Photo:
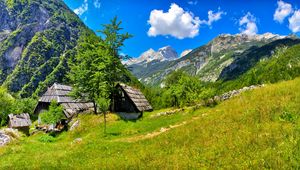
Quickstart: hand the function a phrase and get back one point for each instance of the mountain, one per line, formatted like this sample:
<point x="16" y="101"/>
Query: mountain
<point x="251" y="57"/>
<point x="36" y="39"/>
<point x="208" y="61"/>
<point x="163" y="54"/>
<point x="283" y="64"/>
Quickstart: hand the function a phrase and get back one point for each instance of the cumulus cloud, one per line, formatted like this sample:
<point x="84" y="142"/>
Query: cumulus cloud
<point x="97" y="4"/>
<point x="283" y="10"/>
<point x="248" y="24"/>
<point x="212" y="17"/>
<point x="294" y="22"/>
<point x="82" y="9"/>
<point x="192" y="2"/>
<point x="176" y="22"/>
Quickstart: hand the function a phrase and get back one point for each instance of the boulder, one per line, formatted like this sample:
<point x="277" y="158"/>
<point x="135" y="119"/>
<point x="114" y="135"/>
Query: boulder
<point x="4" y="139"/>
<point x="74" y="125"/>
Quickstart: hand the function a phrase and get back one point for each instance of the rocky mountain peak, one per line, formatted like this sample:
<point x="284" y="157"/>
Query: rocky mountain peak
<point x="231" y="41"/>
<point x="166" y="53"/>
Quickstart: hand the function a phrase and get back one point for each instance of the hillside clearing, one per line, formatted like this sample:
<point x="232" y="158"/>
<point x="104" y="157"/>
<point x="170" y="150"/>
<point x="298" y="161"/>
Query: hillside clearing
<point x="258" y="129"/>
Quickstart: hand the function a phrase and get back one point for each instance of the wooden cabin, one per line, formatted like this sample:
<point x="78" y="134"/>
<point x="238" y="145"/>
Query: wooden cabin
<point x="130" y="103"/>
<point x="59" y="93"/>
<point x="20" y="122"/>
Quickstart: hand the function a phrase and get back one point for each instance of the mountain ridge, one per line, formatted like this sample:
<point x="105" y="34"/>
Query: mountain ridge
<point x="206" y="61"/>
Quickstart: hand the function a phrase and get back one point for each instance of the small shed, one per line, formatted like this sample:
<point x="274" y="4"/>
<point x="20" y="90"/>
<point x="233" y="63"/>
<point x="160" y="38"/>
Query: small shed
<point x="20" y="122"/>
<point x="130" y="102"/>
<point x="60" y="93"/>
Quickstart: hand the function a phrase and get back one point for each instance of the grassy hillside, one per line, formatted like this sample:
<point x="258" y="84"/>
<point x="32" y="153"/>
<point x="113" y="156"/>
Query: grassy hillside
<point x="259" y="129"/>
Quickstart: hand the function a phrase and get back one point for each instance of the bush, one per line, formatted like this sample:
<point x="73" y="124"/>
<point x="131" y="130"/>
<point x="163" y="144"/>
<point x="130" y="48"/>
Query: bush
<point x="46" y="139"/>
<point x="25" y="105"/>
<point x="53" y="115"/>
<point x="180" y="90"/>
<point x="6" y="104"/>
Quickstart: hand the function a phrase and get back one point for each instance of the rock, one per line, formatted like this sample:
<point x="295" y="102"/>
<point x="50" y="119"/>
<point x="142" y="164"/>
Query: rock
<point x="163" y="129"/>
<point x="167" y="112"/>
<point x="75" y="125"/>
<point x="4" y="139"/>
<point x="233" y="93"/>
<point x="13" y="133"/>
<point x="77" y="140"/>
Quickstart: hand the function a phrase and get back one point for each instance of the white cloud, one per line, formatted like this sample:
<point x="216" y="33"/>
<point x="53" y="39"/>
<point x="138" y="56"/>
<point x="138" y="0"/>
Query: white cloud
<point x="82" y="9"/>
<point x="294" y="22"/>
<point x="192" y="2"/>
<point x="176" y="22"/>
<point x="248" y="24"/>
<point x="212" y="17"/>
<point x="283" y="10"/>
<point x="97" y="4"/>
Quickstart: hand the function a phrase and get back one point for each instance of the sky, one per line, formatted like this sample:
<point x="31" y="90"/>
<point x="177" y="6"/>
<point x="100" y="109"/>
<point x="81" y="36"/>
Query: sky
<point x="188" y="24"/>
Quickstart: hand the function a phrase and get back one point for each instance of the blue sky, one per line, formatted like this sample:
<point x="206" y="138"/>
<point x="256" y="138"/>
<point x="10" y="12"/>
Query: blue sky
<point x="188" y="24"/>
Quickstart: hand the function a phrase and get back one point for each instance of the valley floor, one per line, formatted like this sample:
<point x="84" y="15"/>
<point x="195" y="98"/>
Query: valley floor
<point x="258" y="129"/>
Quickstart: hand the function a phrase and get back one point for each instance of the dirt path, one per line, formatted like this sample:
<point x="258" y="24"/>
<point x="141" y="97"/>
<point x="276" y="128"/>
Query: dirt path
<point x="155" y="133"/>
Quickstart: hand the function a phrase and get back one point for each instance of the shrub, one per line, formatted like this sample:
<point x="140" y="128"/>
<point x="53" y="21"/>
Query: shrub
<point x="53" y="115"/>
<point x="6" y="103"/>
<point x="46" y="139"/>
<point x="25" y="105"/>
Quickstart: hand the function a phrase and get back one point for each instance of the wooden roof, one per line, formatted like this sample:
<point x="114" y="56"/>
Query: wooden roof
<point x="137" y="97"/>
<point x="59" y="93"/>
<point x="19" y="120"/>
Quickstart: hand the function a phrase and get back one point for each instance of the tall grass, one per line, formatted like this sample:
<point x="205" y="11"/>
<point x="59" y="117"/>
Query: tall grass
<point x="258" y="129"/>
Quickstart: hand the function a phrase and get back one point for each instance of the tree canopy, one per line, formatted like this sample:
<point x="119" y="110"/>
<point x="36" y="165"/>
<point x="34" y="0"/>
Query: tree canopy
<point x="97" y="66"/>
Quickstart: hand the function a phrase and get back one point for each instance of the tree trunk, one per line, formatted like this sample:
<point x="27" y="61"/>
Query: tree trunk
<point x="113" y="100"/>
<point x="141" y="115"/>
<point x="95" y="107"/>
<point x="104" y="115"/>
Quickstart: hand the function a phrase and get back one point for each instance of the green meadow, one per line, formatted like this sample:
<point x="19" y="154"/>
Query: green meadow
<point x="260" y="129"/>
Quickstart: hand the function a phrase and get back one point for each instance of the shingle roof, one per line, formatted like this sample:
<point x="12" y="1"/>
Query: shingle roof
<point x="59" y="93"/>
<point x="137" y="97"/>
<point x="20" y="120"/>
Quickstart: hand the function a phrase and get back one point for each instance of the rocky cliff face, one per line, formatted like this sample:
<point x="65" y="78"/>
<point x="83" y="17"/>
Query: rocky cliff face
<point x="36" y="37"/>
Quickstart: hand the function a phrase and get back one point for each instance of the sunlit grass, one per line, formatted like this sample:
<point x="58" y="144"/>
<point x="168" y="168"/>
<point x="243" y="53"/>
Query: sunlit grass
<point x="258" y="129"/>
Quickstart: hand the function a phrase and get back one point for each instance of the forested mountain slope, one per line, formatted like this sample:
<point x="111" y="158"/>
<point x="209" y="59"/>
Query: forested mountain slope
<point x="36" y="39"/>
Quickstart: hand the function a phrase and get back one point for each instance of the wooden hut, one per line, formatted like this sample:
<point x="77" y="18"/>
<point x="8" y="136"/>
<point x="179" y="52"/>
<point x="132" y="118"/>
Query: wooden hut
<point x="20" y="122"/>
<point x="130" y="102"/>
<point x="59" y="93"/>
